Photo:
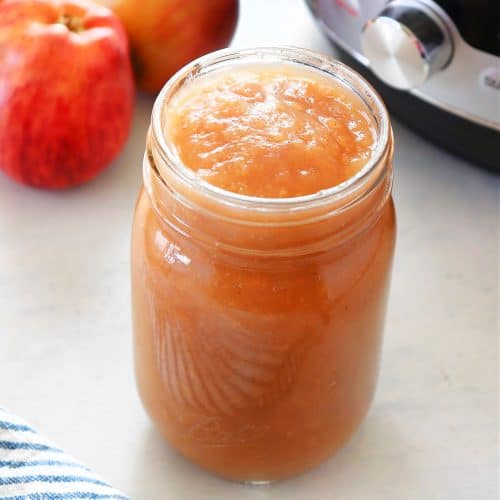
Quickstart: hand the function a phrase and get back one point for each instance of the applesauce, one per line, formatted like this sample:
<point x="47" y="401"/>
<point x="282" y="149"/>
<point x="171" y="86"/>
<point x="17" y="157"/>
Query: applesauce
<point x="261" y="254"/>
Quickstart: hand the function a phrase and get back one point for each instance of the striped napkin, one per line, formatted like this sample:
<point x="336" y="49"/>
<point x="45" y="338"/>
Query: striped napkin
<point x="31" y="467"/>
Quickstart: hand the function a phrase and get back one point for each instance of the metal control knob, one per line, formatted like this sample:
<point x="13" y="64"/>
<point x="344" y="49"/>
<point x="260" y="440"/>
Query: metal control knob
<point x="406" y="43"/>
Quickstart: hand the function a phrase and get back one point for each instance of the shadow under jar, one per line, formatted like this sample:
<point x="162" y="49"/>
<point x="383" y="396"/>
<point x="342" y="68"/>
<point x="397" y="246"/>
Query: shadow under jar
<point x="258" y="321"/>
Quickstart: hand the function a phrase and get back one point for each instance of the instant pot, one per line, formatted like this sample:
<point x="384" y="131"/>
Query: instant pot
<point x="436" y="64"/>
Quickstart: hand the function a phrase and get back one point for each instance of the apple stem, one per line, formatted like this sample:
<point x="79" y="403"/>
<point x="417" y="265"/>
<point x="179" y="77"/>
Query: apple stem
<point x="73" y="23"/>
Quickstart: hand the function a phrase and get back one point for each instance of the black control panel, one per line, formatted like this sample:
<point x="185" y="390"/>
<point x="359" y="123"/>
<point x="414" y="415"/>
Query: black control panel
<point x="478" y="22"/>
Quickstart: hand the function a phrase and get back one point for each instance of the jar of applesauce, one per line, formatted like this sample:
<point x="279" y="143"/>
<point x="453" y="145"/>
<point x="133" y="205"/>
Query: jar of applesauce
<point x="261" y="257"/>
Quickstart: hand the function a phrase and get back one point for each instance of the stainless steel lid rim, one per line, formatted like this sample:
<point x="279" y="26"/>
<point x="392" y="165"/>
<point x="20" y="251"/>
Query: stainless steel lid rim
<point x="458" y="87"/>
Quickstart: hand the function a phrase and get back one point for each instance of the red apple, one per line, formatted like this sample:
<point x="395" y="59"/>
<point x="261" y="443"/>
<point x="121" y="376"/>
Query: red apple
<point x="166" y="34"/>
<point x="66" y="90"/>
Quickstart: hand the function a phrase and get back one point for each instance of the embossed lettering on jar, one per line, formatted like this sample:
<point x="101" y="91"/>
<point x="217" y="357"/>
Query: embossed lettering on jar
<point x="259" y="291"/>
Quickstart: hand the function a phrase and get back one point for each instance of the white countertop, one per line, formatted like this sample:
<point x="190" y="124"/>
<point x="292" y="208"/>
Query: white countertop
<point x="65" y="328"/>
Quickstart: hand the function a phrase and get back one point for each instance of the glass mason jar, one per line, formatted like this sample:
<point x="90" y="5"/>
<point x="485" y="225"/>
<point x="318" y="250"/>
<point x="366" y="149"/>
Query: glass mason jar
<point x="258" y="321"/>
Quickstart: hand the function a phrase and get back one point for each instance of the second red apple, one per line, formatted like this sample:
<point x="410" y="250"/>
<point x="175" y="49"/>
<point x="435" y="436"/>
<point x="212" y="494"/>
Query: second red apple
<point x="164" y="35"/>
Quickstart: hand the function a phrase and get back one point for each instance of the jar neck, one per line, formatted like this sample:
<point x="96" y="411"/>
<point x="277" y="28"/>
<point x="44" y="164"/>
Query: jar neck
<point x="267" y="226"/>
<point x="267" y="233"/>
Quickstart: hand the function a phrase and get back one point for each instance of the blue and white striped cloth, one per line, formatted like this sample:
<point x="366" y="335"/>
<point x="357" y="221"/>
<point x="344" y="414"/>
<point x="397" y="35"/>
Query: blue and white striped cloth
<point x="31" y="467"/>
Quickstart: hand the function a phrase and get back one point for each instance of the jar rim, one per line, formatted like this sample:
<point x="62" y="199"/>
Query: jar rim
<point x="315" y="61"/>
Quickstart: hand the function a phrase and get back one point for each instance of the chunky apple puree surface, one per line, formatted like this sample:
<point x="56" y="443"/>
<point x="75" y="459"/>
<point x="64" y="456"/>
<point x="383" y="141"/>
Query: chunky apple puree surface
<point x="257" y="321"/>
<point x="274" y="133"/>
